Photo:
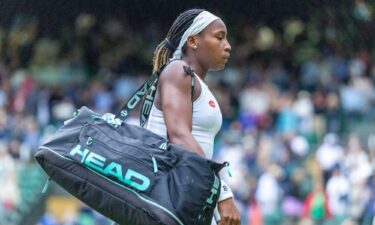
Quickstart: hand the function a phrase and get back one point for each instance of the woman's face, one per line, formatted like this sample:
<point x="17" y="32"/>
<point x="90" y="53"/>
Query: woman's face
<point x="213" y="48"/>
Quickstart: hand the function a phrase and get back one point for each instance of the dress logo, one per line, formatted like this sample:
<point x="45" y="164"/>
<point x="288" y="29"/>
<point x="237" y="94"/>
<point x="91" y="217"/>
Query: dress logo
<point x="212" y="104"/>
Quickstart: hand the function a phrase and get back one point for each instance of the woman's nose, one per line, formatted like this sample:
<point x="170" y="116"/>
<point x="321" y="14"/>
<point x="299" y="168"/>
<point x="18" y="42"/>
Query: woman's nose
<point x="227" y="46"/>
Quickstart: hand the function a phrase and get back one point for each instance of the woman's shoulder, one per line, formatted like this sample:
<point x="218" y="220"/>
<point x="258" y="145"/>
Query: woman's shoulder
<point x="174" y="75"/>
<point x="175" y="62"/>
<point x="174" y="71"/>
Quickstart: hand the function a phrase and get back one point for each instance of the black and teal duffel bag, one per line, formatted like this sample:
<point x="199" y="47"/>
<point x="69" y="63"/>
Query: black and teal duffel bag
<point x="128" y="173"/>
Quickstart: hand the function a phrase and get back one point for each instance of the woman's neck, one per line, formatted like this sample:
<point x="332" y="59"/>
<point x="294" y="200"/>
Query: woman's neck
<point x="198" y="69"/>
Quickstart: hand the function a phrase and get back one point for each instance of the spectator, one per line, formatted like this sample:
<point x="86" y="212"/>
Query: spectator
<point x="329" y="154"/>
<point x="316" y="204"/>
<point x="268" y="194"/>
<point x="337" y="190"/>
<point x="9" y="196"/>
<point x="356" y="162"/>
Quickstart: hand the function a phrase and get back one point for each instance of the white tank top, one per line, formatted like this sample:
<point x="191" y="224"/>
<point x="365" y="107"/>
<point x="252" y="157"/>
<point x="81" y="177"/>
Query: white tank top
<point x="207" y="120"/>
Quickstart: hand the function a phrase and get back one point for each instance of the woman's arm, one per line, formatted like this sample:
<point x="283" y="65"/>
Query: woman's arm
<point x="175" y="94"/>
<point x="176" y="103"/>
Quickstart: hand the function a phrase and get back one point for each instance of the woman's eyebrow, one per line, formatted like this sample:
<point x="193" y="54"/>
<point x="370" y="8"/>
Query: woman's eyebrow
<point x="220" y="32"/>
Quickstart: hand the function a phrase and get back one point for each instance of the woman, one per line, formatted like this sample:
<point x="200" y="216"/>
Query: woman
<point x="197" y="39"/>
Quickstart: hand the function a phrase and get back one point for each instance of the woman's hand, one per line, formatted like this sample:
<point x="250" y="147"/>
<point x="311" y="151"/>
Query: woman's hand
<point x="229" y="214"/>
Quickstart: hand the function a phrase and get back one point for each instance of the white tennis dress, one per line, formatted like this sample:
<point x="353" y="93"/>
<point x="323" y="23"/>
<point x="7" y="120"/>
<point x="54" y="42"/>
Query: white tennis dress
<point x="207" y="120"/>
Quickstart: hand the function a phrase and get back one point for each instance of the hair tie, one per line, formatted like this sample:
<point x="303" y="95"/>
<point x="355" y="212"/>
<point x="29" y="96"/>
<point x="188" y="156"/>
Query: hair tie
<point x="169" y="45"/>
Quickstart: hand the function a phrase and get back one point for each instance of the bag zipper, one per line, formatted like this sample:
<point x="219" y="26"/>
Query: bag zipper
<point x="133" y="145"/>
<point x="123" y="153"/>
<point x="228" y="169"/>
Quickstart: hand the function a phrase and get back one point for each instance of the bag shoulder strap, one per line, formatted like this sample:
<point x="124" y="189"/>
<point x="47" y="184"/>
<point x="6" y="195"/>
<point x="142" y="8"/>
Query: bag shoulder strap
<point x="190" y="71"/>
<point x="138" y="95"/>
<point x="147" y="93"/>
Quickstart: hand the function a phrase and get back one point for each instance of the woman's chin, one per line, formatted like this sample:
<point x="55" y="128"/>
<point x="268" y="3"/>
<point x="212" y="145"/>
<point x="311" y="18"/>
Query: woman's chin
<point x="218" y="68"/>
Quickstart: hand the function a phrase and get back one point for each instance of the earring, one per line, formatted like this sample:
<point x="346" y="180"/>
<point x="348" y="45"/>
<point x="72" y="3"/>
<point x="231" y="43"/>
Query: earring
<point x="195" y="47"/>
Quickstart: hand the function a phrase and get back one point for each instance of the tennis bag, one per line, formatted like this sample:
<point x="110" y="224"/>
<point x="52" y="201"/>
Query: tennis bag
<point x="128" y="173"/>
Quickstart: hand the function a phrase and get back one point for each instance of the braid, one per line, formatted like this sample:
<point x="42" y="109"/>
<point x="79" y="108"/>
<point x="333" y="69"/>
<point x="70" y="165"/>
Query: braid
<point x="166" y="48"/>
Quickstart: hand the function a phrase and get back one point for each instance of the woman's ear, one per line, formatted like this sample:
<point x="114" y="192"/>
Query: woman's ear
<point x="192" y="43"/>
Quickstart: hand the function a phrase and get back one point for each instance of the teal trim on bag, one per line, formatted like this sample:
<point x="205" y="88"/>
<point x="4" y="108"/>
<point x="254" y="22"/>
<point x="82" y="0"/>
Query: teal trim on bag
<point x="46" y="185"/>
<point x="134" y="192"/>
<point x="228" y="169"/>
<point x="142" y="198"/>
<point x="96" y="117"/>
<point x="155" y="164"/>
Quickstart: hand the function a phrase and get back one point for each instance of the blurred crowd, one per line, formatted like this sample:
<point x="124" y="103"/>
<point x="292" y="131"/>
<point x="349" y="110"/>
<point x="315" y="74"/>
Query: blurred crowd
<point x="292" y="98"/>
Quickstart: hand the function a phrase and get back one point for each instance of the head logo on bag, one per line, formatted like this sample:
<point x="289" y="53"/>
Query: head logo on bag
<point x="98" y="163"/>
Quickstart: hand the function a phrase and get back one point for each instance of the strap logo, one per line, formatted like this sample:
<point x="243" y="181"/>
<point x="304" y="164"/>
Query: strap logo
<point x="124" y="113"/>
<point x="163" y="146"/>
<point x="147" y="104"/>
